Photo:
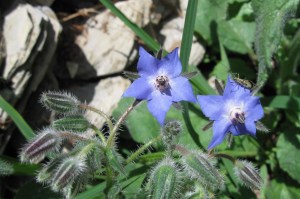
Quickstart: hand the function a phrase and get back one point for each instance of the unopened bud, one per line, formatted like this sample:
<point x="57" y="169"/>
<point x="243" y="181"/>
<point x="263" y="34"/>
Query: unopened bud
<point x="64" y="103"/>
<point x="164" y="180"/>
<point x="248" y="174"/>
<point x="49" y="169"/>
<point x="199" y="166"/>
<point x="6" y="168"/>
<point x="67" y="172"/>
<point x="74" y="123"/>
<point x="43" y="143"/>
<point x="170" y="131"/>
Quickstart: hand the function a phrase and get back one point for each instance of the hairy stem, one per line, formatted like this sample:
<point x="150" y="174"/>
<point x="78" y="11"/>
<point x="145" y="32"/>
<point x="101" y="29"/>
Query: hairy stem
<point x="108" y="121"/>
<point x="99" y="133"/>
<point x="142" y="149"/>
<point x="119" y="122"/>
<point x="221" y="155"/>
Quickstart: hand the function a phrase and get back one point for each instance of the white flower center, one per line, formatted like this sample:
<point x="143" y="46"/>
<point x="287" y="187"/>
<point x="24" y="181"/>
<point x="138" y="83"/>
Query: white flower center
<point x="237" y="115"/>
<point x="161" y="83"/>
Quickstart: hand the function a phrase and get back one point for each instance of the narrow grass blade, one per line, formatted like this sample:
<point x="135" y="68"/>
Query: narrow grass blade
<point x="17" y="118"/>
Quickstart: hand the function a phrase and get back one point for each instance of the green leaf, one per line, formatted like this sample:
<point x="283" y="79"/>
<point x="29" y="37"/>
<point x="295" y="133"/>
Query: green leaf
<point x="288" y="148"/>
<point x="282" y="102"/>
<point x="223" y="67"/>
<point x="237" y="35"/>
<point x="17" y="118"/>
<point x="209" y="12"/>
<point x="143" y="126"/>
<point x="291" y="64"/>
<point x="270" y="17"/>
<point x="93" y="192"/>
<point x="280" y="190"/>
<point x="34" y="190"/>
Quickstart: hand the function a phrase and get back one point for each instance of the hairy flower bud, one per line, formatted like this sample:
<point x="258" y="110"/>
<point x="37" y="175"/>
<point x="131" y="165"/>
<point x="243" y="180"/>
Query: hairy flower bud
<point x="69" y="169"/>
<point x="74" y="123"/>
<point x="247" y="174"/>
<point x="43" y="143"/>
<point x="164" y="180"/>
<point x="64" y="103"/>
<point x="199" y="166"/>
<point x="5" y="168"/>
<point x="49" y="169"/>
<point x="170" y="131"/>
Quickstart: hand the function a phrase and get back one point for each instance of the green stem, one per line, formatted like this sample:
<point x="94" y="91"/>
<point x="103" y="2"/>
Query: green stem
<point x="68" y="135"/>
<point x="142" y="149"/>
<point x="108" y="121"/>
<point x="99" y="133"/>
<point x="119" y="122"/>
<point x="221" y="155"/>
<point x="85" y="150"/>
<point x="109" y="179"/>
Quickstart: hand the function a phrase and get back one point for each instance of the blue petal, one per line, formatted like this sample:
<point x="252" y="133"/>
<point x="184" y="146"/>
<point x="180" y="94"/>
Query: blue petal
<point x="147" y="64"/>
<point x="211" y="105"/>
<point x="181" y="89"/>
<point x="241" y="129"/>
<point x="139" y="89"/>
<point x="159" y="106"/>
<point x="170" y="64"/>
<point x="234" y="90"/>
<point x="220" y="128"/>
<point x="254" y="110"/>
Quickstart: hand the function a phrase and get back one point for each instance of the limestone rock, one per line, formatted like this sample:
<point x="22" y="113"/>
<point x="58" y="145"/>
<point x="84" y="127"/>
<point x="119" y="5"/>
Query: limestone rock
<point x="107" y="43"/>
<point x="173" y="30"/>
<point x="30" y="34"/>
<point x="104" y="95"/>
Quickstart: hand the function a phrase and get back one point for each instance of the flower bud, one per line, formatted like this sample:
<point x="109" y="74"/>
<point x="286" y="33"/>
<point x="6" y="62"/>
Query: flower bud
<point x="67" y="172"/>
<point x="247" y="174"/>
<point x="49" y="169"/>
<point x="6" y="168"/>
<point x="199" y="166"/>
<point x="64" y="103"/>
<point x="170" y="131"/>
<point x="43" y="143"/>
<point x="74" y="123"/>
<point x="164" y="180"/>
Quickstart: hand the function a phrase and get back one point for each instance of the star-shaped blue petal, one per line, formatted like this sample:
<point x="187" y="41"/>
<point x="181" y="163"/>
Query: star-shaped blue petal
<point x="160" y="83"/>
<point x="236" y="111"/>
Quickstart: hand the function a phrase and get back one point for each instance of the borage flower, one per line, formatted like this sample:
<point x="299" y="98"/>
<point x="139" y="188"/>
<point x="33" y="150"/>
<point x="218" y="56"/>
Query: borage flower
<point x="160" y="83"/>
<point x="236" y="111"/>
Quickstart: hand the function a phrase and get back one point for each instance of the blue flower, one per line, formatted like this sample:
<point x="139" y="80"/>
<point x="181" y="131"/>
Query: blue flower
<point x="160" y="83"/>
<point x="235" y="112"/>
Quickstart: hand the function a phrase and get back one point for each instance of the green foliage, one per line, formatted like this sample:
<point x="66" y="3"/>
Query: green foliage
<point x="17" y="118"/>
<point x="288" y="147"/>
<point x="242" y="37"/>
<point x="270" y="17"/>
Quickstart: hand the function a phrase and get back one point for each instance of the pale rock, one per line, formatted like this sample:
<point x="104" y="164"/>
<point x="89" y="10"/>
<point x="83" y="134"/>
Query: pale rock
<point x="31" y="35"/>
<point x="104" y="95"/>
<point x="172" y="31"/>
<point x="107" y="43"/>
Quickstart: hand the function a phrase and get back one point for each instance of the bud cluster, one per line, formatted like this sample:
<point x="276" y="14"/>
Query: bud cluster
<point x="170" y="131"/>
<point x="67" y="168"/>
